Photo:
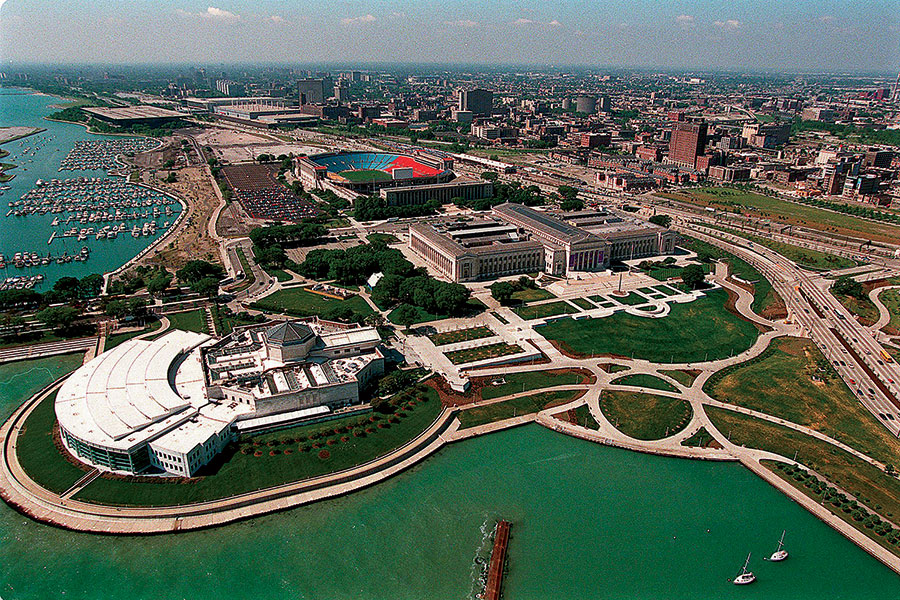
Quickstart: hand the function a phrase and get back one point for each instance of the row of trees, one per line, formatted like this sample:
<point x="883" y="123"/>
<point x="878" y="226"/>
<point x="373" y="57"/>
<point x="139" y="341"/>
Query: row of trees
<point x="512" y="191"/>
<point x="424" y="292"/>
<point x="302" y="234"/>
<point x="374" y="208"/>
<point x="355" y="265"/>
<point x="66" y="289"/>
<point x="502" y="291"/>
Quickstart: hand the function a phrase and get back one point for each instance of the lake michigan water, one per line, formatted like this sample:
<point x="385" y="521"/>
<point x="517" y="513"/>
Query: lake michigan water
<point x="588" y="522"/>
<point x="30" y="233"/>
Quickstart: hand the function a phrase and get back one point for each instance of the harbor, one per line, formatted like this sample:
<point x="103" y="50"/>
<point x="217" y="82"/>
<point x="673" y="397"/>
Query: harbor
<point x="52" y="214"/>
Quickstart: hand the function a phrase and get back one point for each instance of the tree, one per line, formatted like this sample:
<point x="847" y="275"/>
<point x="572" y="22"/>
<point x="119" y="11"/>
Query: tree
<point x="572" y="204"/>
<point x="661" y="220"/>
<point x="502" y="292"/>
<point x="693" y="276"/>
<point x="207" y="286"/>
<point x="490" y="176"/>
<point x="171" y="177"/>
<point x="406" y="315"/>
<point x="159" y="283"/>
<point x="196" y="270"/>
<point x="847" y="286"/>
<point x="59" y="318"/>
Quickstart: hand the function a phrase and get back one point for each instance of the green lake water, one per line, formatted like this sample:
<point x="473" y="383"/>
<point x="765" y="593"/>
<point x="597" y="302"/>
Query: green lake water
<point x="588" y="522"/>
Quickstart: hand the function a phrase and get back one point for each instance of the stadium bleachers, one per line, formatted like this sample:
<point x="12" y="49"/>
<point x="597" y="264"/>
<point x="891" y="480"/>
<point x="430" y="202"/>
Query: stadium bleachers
<point x="359" y="161"/>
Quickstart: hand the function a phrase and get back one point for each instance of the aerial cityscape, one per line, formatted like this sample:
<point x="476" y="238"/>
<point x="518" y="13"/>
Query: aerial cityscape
<point x="442" y="300"/>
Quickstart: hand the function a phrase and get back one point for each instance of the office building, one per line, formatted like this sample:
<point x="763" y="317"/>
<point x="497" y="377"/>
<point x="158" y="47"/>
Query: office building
<point x="315" y="91"/>
<point x="477" y="101"/>
<point x="687" y="143"/>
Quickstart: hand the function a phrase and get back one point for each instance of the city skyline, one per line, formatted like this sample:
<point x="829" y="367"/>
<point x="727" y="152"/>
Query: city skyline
<point x="786" y="36"/>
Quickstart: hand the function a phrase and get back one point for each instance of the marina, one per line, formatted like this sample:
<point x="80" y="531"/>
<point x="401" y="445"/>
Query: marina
<point x="51" y="215"/>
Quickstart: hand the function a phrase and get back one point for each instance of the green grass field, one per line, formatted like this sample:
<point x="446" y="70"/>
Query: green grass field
<point x="632" y="299"/>
<point x="701" y="439"/>
<point x="685" y="379"/>
<point x="891" y="301"/>
<point x="191" y="320"/>
<point x="646" y="381"/>
<point x="540" y="311"/>
<point x="387" y="238"/>
<point x="531" y="295"/>
<point x="787" y="212"/>
<point x="645" y="416"/>
<point x="459" y="357"/>
<point x="700" y="330"/>
<point x="515" y="383"/>
<point x="302" y="303"/>
<point x="460" y="335"/>
<point x="516" y="407"/>
<point x="117" y="338"/>
<point x="365" y="175"/>
<point x="241" y="472"/>
<point x="582" y="303"/>
<point x="792" y="380"/>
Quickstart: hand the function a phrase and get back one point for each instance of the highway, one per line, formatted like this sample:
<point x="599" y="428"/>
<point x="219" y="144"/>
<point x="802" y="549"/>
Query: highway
<point x="875" y="382"/>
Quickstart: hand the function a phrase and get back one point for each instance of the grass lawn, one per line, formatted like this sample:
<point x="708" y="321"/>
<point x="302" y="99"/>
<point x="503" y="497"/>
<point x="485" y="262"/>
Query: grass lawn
<point x="516" y="407"/>
<point x="891" y="301"/>
<point x="540" y="311"/>
<point x="780" y="382"/>
<point x="787" y="212"/>
<point x="241" y="472"/>
<point x="700" y="330"/>
<point x="804" y="257"/>
<point x="474" y="306"/>
<point x="387" y="238"/>
<point x="631" y="299"/>
<point x="302" y="303"/>
<point x="872" y="486"/>
<point x="460" y="335"/>
<point x="531" y="295"/>
<point x="38" y="455"/>
<point x="584" y="418"/>
<point x="365" y="175"/>
<point x="645" y="416"/>
<point x="117" y="338"/>
<point x="860" y="307"/>
<point x="582" y="303"/>
<point x="684" y="378"/>
<point x="192" y="320"/>
<point x="531" y="380"/>
<point x="500" y="318"/>
<point x="701" y="439"/>
<point x="764" y="296"/>
<point x="613" y="368"/>
<point x="459" y="357"/>
<point x="249" y="277"/>
<point x="645" y="380"/>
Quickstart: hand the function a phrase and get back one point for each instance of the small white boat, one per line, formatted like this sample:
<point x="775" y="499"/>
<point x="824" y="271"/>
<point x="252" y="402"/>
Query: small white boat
<point x="780" y="554"/>
<point x="745" y="577"/>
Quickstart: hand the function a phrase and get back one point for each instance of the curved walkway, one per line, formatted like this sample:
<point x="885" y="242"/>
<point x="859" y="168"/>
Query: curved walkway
<point x="884" y="316"/>
<point x="19" y="490"/>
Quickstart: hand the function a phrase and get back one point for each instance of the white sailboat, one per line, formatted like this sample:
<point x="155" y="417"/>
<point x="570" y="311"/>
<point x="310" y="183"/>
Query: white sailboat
<point x="745" y="577"/>
<point x="780" y="554"/>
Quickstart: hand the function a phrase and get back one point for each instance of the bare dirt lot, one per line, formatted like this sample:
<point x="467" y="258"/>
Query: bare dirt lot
<point x="231" y="146"/>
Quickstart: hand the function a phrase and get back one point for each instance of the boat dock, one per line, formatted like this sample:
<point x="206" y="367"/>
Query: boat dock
<point x="493" y="587"/>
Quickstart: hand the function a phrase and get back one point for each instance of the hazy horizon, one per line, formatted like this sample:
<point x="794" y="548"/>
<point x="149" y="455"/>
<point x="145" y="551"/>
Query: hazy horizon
<point x="759" y="37"/>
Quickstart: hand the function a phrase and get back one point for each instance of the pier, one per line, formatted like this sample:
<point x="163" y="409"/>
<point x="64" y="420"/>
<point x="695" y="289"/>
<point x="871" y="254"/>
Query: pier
<point x="494" y="585"/>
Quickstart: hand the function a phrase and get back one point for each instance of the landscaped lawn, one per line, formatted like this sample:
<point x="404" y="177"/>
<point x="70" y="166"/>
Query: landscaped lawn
<point x="387" y="238"/>
<point x="241" y="472"/>
<point x="792" y="380"/>
<point x="645" y="380"/>
<point x="540" y="311"/>
<point x="515" y="407"/>
<point x="631" y="299"/>
<point x="685" y="379"/>
<point x="700" y="330"/>
<point x="192" y="320"/>
<point x="249" y="277"/>
<point x="891" y="301"/>
<point x="38" y="455"/>
<point x="117" y="338"/>
<point x="473" y="307"/>
<point x="531" y="295"/>
<point x="458" y="357"/>
<point x="861" y="307"/>
<point x="701" y="439"/>
<point x="645" y="416"/>
<point x="788" y="212"/>
<point x="531" y="380"/>
<point x="302" y="303"/>
<point x="460" y="335"/>
<point x="872" y="486"/>
<point x="764" y="296"/>
<point x="584" y="418"/>
<point x="582" y="303"/>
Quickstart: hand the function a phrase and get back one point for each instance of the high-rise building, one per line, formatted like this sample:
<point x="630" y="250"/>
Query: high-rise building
<point x="478" y="101"/>
<point x="586" y="104"/>
<point x="315" y="91"/>
<point x="687" y="143"/>
<point x="603" y="105"/>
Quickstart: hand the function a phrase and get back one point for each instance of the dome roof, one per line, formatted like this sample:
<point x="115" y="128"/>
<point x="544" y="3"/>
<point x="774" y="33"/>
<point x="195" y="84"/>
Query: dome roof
<point x="289" y="332"/>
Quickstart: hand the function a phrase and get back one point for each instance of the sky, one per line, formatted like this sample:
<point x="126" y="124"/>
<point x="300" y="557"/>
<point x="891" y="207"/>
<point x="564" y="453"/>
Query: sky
<point x="748" y="35"/>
